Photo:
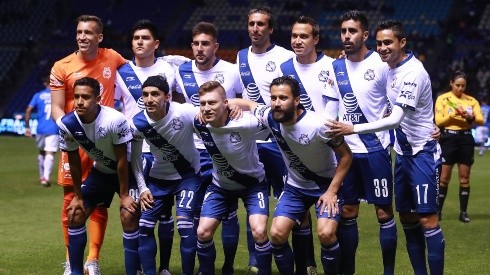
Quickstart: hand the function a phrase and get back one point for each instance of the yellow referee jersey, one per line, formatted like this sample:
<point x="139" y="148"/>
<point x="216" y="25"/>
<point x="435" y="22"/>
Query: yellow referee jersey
<point x="446" y="111"/>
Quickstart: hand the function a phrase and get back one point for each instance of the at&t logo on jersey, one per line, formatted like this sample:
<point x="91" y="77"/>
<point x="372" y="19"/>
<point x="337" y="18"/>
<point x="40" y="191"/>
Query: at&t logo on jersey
<point x="222" y="165"/>
<point x="195" y="99"/>
<point x="351" y="105"/>
<point x="253" y="91"/>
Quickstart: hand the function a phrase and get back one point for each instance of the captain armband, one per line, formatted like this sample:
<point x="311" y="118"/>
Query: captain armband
<point x="336" y="142"/>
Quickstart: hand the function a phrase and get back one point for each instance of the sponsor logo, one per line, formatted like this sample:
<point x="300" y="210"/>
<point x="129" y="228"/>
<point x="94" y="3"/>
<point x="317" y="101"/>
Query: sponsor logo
<point x="253" y="91"/>
<point x="411" y="84"/>
<point x="190" y="84"/>
<point x="134" y="87"/>
<point x="187" y="76"/>
<point x="124" y="132"/>
<point x="351" y="106"/>
<point x="343" y="82"/>
<point x="407" y="94"/>
<point x="247" y="73"/>
<point x="340" y="73"/>
<point x="130" y="78"/>
<point x="243" y="65"/>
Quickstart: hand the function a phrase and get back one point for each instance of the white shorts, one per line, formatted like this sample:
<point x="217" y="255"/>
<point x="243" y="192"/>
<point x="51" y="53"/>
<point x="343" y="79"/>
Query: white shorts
<point x="481" y="134"/>
<point x="48" y="143"/>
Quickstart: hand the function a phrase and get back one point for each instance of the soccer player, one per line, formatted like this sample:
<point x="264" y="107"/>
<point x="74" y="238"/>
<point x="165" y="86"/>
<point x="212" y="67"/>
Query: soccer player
<point x="418" y="163"/>
<point x="168" y="129"/>
<point x="102" y="133"/>
<point x="359" y="94"/>
<point x="314" y="174"/>
<point x="101" y="64"/>
<point x="313" y="71"/>
<point x="258" y="66"/>
<point x="47" y="138"/>
<point x="129" y="79"/>
<point x="206" y="66"/>
<point x="237" y="173"/>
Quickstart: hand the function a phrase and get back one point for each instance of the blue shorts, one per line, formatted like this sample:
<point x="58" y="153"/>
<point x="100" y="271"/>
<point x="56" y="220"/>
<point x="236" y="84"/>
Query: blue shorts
<point x="163" y="192"/>
<point x="98" y="189"/>
<point x="218" y="202"/>
<point x="275" y="169"/>
<point x="417" y="182"/>
<point x="370" y="177"/>
<point x="294" y="202"/>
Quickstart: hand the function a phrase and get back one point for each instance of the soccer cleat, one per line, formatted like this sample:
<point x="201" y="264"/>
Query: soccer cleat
<point x="92" y="267"/>
<point x="311" y="270"/>
<point x="164" y="272"/>
<point x="45" y="182"/>
<point x="463" y="217"/>
<point x="67" y="268"/>
<point x="252" y="270"/>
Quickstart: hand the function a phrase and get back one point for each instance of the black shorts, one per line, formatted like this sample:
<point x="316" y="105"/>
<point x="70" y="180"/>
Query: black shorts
<point x="457" y="148"/>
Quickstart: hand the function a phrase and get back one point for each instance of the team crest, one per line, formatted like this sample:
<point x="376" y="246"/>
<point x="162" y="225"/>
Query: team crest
<point x="393" y="83"/>
<point x="102" y="132"/>
<point x="220" y="78"/>
<point x="235" y="137"/>
<point x="177" y="124"/>
<point x="304" y="140"/>
<point x="106" y="73"/>
<point x="323" y="76"/>
<point x="369" y="75"/>
<point x="271" y="66"/>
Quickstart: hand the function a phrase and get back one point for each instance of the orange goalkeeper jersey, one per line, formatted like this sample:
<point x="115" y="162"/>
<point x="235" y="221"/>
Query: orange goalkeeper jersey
<point x="63" y="76"/>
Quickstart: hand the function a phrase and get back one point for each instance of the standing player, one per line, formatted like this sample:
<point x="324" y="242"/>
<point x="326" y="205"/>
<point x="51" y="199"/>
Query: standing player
<point x="258" y="65"/>
<point x="102" y="133"/>
<point x="418" y="163"/>
<point x="101" y="64"/>
<point x="359" y="96"/>
<point x="47" y="138"/>
<point x="314" y="177"/>
<point x="129" y="79"/>
<point x="237" y="173"/>
<point x="168" y="129"/>
<point x="312" y="70"/>
<point x="206" y="66"/>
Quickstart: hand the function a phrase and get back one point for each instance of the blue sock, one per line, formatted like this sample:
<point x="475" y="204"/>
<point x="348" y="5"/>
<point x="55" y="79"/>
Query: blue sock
<point x="230" y="232"/>
<point x="348" y="238"/>
<point x="77" y="237"/>
<point x="310" y="258"/>
<point x="263" y="251"/>
<point x="388" y="240"/>
<point x="414" y="236"/>
<point x="206" y="253"/>
<point x="131" y="258"/>
<point x="330" y="255"/>
<point x="147" y="249"/>
<point x="165" y="240"/>
<point x="284" y="257"/>
<point x="435" y="250"/>
<point x="252" y="257"/>
<point x="188" y="240"/>
<point x="300" y="248"/>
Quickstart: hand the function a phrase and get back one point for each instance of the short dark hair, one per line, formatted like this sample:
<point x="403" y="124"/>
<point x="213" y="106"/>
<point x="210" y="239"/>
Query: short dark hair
<point x="91" y="18"/>
<point x="289" y="81"/>
<point x="458" y="74"/>
<point x="267" y="11"/>
<point x="157" y="81"/>
<point x="357" y="16"/>
<point x="310" y="21"/>
<point x="145" y="24"/>
<point x="206" y="28"/>
<point x="90" y="82"/>
<point x="211" y="86"/>
<point x="395" y="25"/>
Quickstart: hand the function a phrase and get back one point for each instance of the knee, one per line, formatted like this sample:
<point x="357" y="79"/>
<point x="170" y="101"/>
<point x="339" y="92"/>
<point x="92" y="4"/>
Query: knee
<point x="327" y="235"/>
<point x="349" y="211"/>
<point x="429" y="221"/>
<point x="259" y="233"/>
<point x="129" y="221"/>
<point x="384" y="213"/>
<point x="76" y="219"/>
<point x="278" y="235"/>
<point x="204" y="233"/>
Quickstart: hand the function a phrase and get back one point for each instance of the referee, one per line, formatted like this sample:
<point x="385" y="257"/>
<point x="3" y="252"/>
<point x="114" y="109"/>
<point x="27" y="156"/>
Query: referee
<point x="455" y="113"/>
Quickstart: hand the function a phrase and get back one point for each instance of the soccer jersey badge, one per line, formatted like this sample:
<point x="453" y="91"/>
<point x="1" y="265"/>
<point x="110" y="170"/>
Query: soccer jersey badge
<point x="235" y="137"/>
<point x="323" y="76"/>
<point x="369" y="75"/>
<point x="177" y="124"/>
<point x="270" y="67"/>
<point x="220" y="78"/>
<point x="304" y="140"/>
<point x="106" y="73"/>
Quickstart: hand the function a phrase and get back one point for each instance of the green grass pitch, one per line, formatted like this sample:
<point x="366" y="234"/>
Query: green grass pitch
<point x="31" y="241"/>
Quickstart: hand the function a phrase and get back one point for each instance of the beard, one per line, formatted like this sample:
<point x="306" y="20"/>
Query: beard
<point x="283" y="116"/>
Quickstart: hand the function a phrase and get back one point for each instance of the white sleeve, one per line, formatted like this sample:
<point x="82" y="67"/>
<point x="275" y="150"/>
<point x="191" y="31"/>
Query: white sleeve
<point x="332" y="109"/>
<point x="387" y="123"/>
<point x="137" y="164"/>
